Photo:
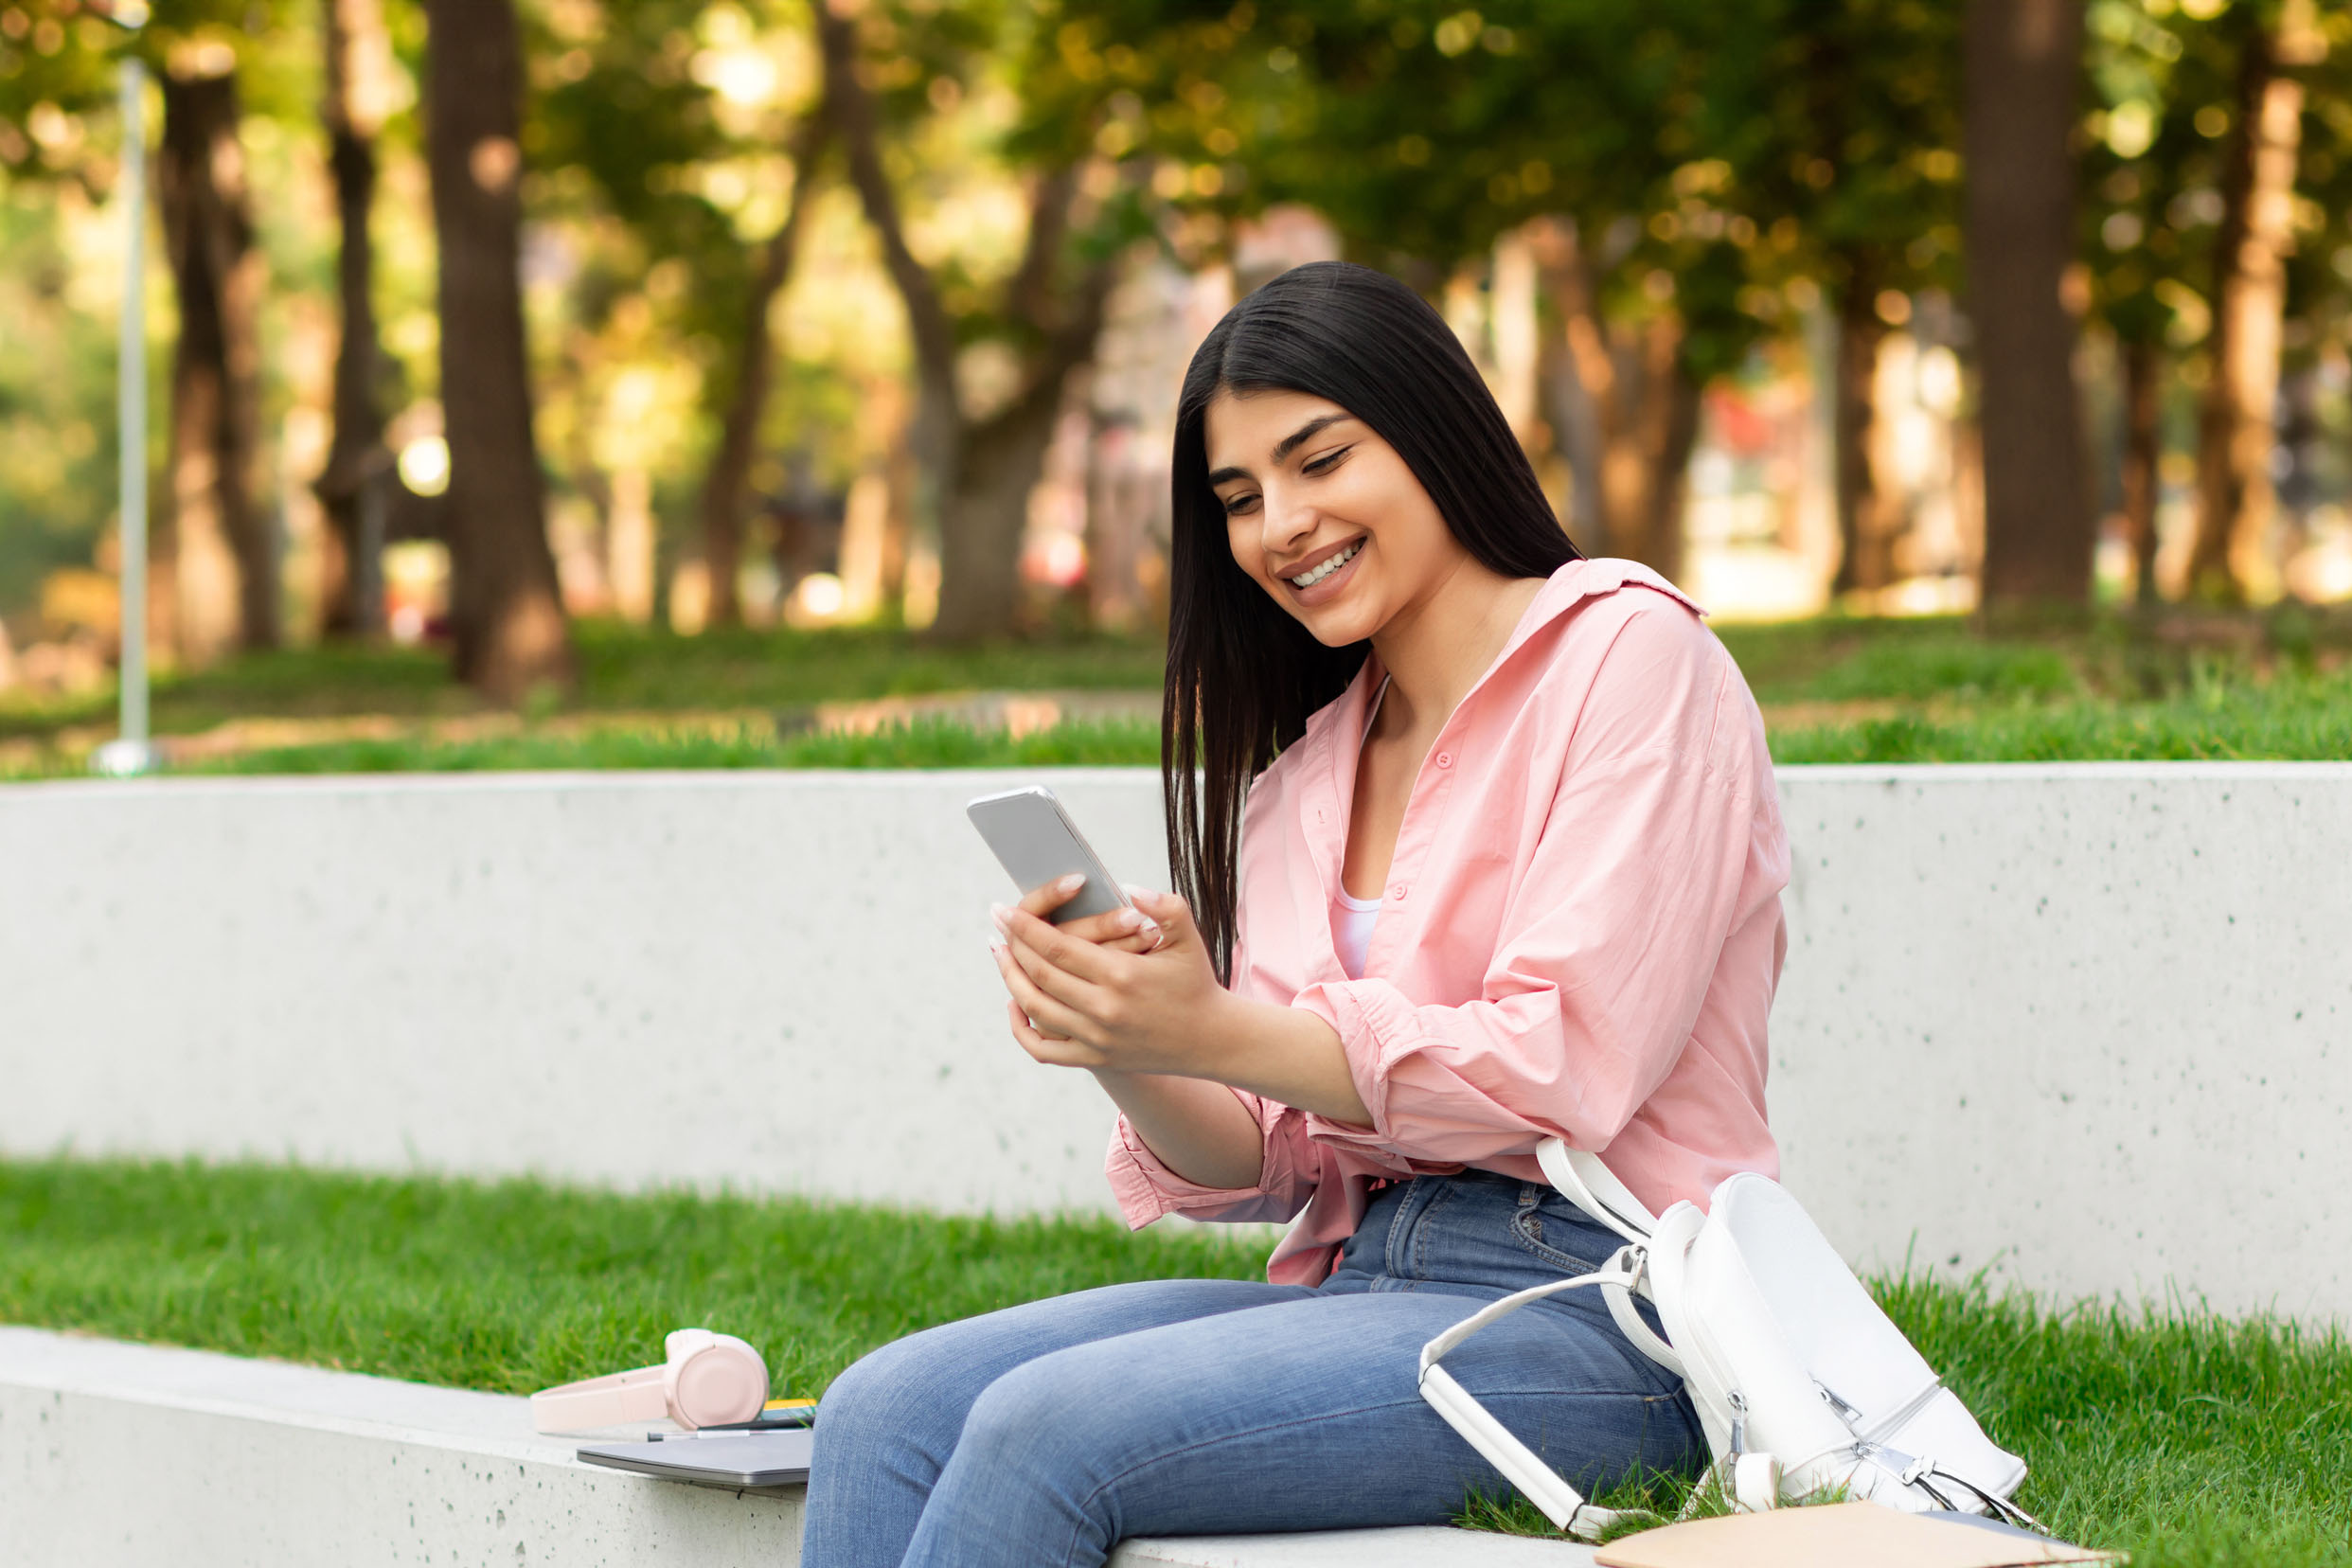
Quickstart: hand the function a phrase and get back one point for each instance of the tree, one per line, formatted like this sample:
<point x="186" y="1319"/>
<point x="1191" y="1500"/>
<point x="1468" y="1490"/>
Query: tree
<point x="618" y="103"/>
<point x="2144" y="168"/>
<point x="352" y="486"/>
<point x="509" y="620"/>
<point x="1841" y="125"/>
<point x="2234" y="496"/>
<point x="215" y="560"/>
<point x="979" y="466"/>
<point x="727" y="484"/>
<point x="2021" y="63"/>
<point x="1425" y="132"/>
<point x="227" y="562"/>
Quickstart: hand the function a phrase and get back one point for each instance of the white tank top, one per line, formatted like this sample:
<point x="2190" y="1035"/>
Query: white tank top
<point x="1352" y="918"/>
<point x="1351" y="930"/>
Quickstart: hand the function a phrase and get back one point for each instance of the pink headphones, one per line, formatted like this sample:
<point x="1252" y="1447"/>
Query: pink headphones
<point x="709" y="1379"/>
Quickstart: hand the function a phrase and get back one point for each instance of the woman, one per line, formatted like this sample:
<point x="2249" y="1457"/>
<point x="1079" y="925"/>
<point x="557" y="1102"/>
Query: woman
<point x="1508" y="868"/>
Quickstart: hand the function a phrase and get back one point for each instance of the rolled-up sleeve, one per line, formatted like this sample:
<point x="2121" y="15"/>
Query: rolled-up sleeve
<point x="1146" y="1188"/>
<point x="1611" y="939"/>
<point x="1290" y="1166"/>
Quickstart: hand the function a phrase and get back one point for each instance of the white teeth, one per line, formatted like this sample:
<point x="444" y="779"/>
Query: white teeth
<point x="1308" y="580"/>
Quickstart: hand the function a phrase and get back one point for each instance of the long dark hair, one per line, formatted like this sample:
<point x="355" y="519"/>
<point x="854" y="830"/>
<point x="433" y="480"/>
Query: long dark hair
<point x="1242" y="674"/>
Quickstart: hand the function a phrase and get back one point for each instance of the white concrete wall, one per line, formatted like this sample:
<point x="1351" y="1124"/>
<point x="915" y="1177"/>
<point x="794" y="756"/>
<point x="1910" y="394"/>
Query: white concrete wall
<point x="2087" y="1027"/>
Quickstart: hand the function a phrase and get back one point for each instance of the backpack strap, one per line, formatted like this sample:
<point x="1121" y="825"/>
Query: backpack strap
<point x="1521" y="1465"/>
<point x="1594" y="1189"/>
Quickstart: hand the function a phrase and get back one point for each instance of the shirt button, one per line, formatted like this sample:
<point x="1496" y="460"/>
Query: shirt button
<point x="1396" y="891"/>
<point x="1444" y="760"/>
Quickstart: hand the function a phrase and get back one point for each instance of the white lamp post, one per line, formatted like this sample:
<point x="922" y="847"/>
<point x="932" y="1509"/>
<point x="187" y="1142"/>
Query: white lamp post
<point x="130" y="752"/>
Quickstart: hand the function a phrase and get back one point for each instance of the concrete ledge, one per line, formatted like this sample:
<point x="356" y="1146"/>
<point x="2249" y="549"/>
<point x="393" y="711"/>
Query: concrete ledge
<point x="2084" y="1025"/>
<point x="140" y="1455"/>
<point x="135" y="1455"/>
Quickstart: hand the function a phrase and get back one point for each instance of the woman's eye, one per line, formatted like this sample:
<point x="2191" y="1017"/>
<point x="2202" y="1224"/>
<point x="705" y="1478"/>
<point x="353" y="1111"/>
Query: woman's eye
<point x="1237" y="505"/>
<point x="1328" y="461"/>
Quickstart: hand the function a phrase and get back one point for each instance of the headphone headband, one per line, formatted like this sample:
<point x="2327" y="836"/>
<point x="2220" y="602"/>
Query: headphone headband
<point x="729" y="1383"/>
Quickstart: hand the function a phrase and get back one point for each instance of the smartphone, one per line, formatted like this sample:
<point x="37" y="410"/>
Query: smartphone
<point x="1036" y="841"/>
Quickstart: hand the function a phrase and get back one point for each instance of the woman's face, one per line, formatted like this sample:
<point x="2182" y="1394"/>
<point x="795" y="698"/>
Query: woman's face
<point x="1323" y="513"/>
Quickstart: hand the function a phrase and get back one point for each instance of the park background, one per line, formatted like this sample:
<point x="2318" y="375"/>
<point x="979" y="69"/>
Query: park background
<point x="558" y="384"/>
<point x="684" y="378"/>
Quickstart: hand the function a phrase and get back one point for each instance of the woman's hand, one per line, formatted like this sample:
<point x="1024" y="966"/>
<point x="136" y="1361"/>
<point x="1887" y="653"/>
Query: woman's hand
<point x="1147" y="1002"/>
<point x="1127" y="992"/>
<point x="1127" y="930"/>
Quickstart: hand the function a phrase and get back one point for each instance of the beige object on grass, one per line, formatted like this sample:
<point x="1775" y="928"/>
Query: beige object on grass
<point x="1836" y="1534"/>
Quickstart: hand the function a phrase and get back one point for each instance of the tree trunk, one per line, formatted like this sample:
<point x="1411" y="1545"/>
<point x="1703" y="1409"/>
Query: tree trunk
<point x="1643" y="411"/>
<point x="224" y="553"/>
<point x="724" y="486"/>
<point x="351" y="486"/>
<point x="1570" y="402"/>
<point x="2022" y="65"/>
<point x="970" y="472"/>
<point x="981" y="522"/>
<point x="2234" y="498"/>
<point x="2143" y="447"/>
<point x="999" y="462"/>
<point x="934" y="433"/>
<point x="1669" y="430"/>
<point x="1865" y="559"/>
<point x="505" y="607"/>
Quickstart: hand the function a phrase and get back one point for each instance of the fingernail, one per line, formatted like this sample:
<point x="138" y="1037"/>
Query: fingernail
<point x="1132" y="919"/>
<point x="1149" y="927"/>
<point x="1001" y="917"/>
<point x="1072" y="883"/>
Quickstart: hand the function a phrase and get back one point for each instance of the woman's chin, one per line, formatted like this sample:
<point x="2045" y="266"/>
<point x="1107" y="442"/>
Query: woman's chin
<point x="1339" y="625"/>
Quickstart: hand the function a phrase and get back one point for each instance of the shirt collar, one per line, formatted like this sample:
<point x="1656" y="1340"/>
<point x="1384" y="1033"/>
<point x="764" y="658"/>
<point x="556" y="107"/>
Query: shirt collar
<point x="1329" y="748"/>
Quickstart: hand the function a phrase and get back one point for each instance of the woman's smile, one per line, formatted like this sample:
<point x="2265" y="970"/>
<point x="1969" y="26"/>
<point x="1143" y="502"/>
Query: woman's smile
<point x="1323" y="577"/>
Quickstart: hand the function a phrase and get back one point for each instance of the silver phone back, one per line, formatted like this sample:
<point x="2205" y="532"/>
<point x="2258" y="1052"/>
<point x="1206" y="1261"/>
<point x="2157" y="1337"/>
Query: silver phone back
<point x="1036" y="841"/>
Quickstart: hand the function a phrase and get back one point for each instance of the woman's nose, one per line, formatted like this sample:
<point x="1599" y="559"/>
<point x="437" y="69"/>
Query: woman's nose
<point x="1288" y="519"/>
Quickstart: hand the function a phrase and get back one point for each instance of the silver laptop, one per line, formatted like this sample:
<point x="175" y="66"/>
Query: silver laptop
<point x="738" y="1461"/>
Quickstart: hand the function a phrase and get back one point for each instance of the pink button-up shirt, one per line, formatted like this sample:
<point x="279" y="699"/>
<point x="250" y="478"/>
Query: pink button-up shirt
<point x="1579" y="935"/>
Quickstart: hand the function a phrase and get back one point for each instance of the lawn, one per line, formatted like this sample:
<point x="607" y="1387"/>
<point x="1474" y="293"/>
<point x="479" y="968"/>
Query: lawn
<point x="2193" y="1441"/>
<point x="1834" y="690"/>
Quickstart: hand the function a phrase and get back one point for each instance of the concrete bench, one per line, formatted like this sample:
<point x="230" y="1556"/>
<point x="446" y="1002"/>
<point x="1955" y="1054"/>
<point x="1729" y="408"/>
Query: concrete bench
<point x="136" y="1456"/>
<point x="2083" y="1025"/>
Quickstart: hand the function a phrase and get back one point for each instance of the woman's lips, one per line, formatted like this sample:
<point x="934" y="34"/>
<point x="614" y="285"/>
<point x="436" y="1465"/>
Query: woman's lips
<point x="1331" y="586"/>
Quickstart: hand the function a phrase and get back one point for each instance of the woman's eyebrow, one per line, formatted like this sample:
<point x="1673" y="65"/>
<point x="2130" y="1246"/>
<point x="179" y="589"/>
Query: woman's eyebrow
<point x="1304" y="433"/>
<point x="1283" y="448"/>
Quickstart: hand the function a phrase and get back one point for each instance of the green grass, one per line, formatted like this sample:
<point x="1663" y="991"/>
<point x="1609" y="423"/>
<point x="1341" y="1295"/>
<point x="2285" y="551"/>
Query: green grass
<point x="622" y="669"/>
<point x="2294" y="716"/>
<point x="1835" y="689"/>
<point x="922" y="743"/>
<point x="2194" y="1441"/>
<point x="512" y="1286"/>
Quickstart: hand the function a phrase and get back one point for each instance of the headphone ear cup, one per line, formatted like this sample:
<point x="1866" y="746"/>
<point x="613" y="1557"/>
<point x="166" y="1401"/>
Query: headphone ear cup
<point x="720" y="1383"/>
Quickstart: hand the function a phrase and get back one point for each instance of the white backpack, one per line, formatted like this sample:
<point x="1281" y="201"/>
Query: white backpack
<point x="1802" y="1385"/>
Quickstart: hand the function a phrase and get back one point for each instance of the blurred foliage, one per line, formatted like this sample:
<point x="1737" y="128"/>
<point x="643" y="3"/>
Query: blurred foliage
<point x="1727" y="166"/>
<point x="2164" y="85"/>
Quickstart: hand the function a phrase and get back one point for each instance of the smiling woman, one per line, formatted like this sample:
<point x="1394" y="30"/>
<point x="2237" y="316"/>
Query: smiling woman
<point x="1510" y="870"/>
<point x="1340" y="412"/>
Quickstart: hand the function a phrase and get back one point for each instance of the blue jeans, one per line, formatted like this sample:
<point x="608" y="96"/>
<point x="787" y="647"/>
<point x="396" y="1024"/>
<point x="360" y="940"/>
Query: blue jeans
<point x="1046" y="1434"/>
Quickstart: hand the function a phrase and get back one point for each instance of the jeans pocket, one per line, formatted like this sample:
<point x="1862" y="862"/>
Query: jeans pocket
<point x="1570" y="1243"/>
